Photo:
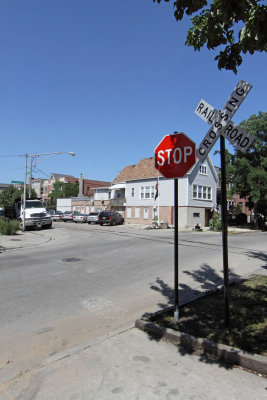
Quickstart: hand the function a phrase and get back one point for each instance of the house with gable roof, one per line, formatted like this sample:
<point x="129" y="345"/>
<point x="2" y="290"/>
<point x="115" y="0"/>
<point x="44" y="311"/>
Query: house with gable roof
<point x="141" y="194"/>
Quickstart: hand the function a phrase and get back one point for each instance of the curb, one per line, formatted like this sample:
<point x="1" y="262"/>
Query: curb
<point x="24" y="243"/>
<point x="219" y="351"/>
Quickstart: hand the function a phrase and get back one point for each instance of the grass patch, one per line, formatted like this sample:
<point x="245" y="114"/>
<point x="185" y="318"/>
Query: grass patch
<point x="204" y="317"/>
<point x="8" y="227"/>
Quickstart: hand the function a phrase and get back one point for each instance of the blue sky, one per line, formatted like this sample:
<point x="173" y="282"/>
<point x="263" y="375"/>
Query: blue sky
<point x="106" y="80"/>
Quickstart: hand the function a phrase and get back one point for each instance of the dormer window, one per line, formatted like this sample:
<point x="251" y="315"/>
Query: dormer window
<point x="203" y="170"/>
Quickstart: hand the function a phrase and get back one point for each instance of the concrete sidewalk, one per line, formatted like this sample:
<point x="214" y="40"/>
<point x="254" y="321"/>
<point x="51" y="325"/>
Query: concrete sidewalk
<point x="24" y="239"/>
<point x="128" y="364"/>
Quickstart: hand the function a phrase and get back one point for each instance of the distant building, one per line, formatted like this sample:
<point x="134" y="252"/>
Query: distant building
<point x="233" y="200"/>
<point x="133" y="193"/>
<point x="86" y="186"/>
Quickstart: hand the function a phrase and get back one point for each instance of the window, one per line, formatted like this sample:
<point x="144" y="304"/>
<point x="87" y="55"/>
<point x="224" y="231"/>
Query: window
<point x="201" y="192"/>
<point x="209" y="193"/>
<point x="132" y="192"/>
<point x="137" y="213"/>
<point x="147" y="192"/>
<point x="129" y="212"/>
<point x="146" y="213"/>
<point x="196" y="215"/>
<point x="203" y="169"/>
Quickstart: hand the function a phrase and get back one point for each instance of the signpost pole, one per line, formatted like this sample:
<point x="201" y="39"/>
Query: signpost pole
<point x="176" y="261"/>
<point x="174" y="156"/>
<point x="224" y="233"/>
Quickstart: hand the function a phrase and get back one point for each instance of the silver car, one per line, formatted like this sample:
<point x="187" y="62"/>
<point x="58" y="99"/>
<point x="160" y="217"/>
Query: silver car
<point x="79" y="218"/>
<point x="93" y="217"/>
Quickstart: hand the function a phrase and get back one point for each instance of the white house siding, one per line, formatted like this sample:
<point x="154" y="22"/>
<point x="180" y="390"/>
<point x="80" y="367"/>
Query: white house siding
<point x="209" y="180"/>
<point x="191" y="211"/>
<point x="102" y="194"/>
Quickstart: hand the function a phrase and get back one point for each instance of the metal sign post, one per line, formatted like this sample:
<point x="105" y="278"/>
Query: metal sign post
<point x="224" y="235"/>
<point x="221" y="125"/>
<point x="176" y="255"/>
<point x="174" y="156"/>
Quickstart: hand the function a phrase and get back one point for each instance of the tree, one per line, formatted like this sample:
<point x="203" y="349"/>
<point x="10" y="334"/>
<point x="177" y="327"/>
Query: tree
<point x="8" y="195"/>
<point x="248" y="170"/>
<point x="238" y="25"/>
<point x="11" y="193"/>
<point x="63" y="190"/>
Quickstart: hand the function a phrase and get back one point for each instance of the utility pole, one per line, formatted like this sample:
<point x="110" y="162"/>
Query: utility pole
<point x="24" y="193"/>
<point x="30" y="180"/>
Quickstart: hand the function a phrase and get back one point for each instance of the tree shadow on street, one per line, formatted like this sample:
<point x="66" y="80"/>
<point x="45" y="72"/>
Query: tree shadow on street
<point x="207" y="277"/>
<point x="259" y="255"/>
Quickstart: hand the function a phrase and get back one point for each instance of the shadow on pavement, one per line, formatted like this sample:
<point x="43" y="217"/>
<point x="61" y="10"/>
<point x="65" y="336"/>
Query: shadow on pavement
<point x="208" y="352"/>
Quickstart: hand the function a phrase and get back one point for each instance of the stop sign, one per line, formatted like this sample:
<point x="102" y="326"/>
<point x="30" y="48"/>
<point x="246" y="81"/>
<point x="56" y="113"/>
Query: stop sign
<point x="175" y="155"/>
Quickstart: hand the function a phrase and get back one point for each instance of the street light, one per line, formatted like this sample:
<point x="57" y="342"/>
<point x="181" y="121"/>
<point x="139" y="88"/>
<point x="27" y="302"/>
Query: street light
<point x="32" y="156"/>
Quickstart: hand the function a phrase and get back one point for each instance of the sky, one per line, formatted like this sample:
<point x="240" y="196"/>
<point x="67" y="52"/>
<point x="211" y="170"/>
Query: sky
<point x="106" y="80"/>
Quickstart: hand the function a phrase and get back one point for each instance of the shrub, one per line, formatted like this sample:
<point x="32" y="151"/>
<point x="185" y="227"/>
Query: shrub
<point x="215" y="223"/>
<point x="8" y="227"/>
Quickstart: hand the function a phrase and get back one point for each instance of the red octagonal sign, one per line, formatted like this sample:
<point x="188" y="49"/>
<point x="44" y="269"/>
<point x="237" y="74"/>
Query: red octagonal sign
<point x="175" y="155"/>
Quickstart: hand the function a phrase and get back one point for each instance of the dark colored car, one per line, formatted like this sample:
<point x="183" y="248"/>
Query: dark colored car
<point x="110" y="217"/>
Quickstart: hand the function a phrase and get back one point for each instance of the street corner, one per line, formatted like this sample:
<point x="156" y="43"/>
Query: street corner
<point x="23" y="239"/>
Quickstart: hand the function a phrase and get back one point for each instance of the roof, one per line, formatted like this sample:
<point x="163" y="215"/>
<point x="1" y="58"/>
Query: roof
<point x="60" y="175"/>
<point x="94" y="184"/>
<point x="143" y="170"/>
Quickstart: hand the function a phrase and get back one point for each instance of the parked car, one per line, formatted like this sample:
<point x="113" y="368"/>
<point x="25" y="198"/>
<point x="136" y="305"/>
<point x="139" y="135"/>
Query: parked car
<point x="56" y="215"/>
<point x="79" y="218"/>
<point x="110" y="217"/>
<point x="93" y="217"/>
<point x="68" y="215"/>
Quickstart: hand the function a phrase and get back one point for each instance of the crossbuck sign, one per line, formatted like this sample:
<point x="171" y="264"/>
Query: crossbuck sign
<point x="221" y="123"/>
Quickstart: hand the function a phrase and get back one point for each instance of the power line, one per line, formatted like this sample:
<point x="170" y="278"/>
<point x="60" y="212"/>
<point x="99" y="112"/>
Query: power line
<point x="12" y="155"/>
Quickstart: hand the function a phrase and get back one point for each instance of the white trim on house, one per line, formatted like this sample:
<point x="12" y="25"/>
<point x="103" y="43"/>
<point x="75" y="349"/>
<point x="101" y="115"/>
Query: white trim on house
<point x="118" y="186"/>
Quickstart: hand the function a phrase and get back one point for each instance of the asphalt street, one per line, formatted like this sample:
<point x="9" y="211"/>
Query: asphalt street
<point x="76" y="283"/>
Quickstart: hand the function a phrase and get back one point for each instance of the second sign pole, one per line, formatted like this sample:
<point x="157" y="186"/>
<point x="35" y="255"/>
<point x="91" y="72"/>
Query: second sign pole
<point x="224" y="233"/>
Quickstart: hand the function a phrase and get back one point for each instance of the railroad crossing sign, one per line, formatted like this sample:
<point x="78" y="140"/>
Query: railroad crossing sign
<point x="175" y="155"/>
<point x="221" y="123"/>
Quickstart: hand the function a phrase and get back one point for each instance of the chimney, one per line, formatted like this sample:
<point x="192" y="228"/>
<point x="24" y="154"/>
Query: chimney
<point x="80" y="186"/>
